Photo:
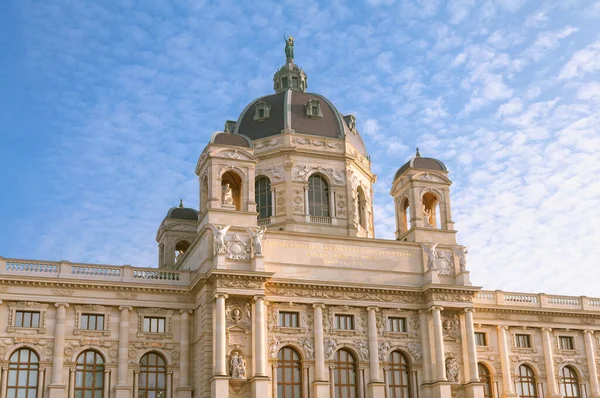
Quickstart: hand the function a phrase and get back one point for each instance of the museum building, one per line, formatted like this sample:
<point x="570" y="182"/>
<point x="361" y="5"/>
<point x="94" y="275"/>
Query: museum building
<point x="276" y="287"/>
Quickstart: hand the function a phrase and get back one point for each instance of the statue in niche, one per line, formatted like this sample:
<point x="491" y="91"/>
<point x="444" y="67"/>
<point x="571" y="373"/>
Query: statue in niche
<point x="289" y="47"/>
<point x="219" y="233"/>
<point x="364" y="352"/>
<point x="237" y="366"/>
<point x="461" y="252"/>
<point x="257" y="238"/>
<point x="431" y="254"/>
<point x="452" y="370"/>
<point x="427" y="215"/>
<point x="308" y="349"/>
<point x="227" y="195"/>
<point x="330" y="346"/>
<point x="273" y="347"/>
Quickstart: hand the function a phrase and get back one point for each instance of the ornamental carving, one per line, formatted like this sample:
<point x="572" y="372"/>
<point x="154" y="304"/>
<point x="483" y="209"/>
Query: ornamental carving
<point x="447" y="296"/>
<point x="275" y="173"/>
<point x="126" y="296"/>
<point x="237" y="314"/>
<point x="239" y="283"/>
<point x="341" y="295"/>
<point x="267" y="143"/>
<point x="232" y="155"/>
<point x="414" y="349"/>
<point x="300" y="173"/>
<point x="317" y="143"/>
<point x="330" y="348"/>
<point x="384" y="349"/>
<point x="63" y="292"/>
<point x="237" y="249"/>
<point x="429" y="177"/>
<point x="452" y="370"/>
<point x="273" y="348"/>
<point x="309" y="352"/>
<point x="451" y="325"/>
<point x="224" y="167"/>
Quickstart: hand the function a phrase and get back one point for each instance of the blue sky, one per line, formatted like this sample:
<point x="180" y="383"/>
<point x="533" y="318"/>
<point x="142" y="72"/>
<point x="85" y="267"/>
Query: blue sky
<point x="106" y="106"/>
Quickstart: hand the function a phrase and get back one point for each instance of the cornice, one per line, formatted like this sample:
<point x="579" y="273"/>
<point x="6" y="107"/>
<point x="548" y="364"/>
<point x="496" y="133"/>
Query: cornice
<point x="535" y="311"/>
<point x="95" y="286"/>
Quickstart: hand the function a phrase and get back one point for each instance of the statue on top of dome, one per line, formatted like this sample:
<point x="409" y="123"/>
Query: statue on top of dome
<point x="289" y="47"/>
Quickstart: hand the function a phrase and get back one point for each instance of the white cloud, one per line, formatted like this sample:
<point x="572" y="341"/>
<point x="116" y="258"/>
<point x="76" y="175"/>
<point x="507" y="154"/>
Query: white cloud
<point x="459" y="10"/>
<point x="510" y="108"/>
<point x="511" y="5"/>
<point x="589" y="91"/>
<point x="582" y="62"/>
<point x="547" y="41"/>
<point x="536" y="19"/>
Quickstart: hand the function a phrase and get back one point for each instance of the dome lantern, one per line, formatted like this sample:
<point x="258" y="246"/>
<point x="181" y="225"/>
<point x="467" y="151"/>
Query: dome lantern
<point x="290" y="76"/>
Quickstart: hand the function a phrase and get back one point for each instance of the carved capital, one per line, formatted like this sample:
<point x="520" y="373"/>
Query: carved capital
<point x="190" y="312"/>
<point x="258" y="297"/>
<point x="502" y="327"/>
<point x="370" y="308"/>
<point x="588" y="331"/>
<point x="546" y="330"/>
<point x="436" y="308"/>
<point x="66" y="305"/>
<point x="125" y="307"/>
<point x="319" y="305"/>
<point x="221" y="295"/>
<point x="468" y="310"/>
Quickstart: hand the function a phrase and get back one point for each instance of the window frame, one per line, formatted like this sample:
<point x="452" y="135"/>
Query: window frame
<point x="403" y="322"/>
<point x="94" y="368"/>
<point x="529" y="379"/>
<point x="18" y="367"/>
<point x="570" y="339"/>
<point x="144" y="313"/>
<point x="395" y="368"/>
<point x="485" y="377"/>
<point x="266" y="191"/>
<point x="517" y="341"/>
<point x="80" y="310"/>
<point x="150" y="369"/>
<point x="295" y="366"/>
<point x="29" y="306"/>
<point x="33" y="318"/>
<point x="349" y="366"/>
<point x="571" y="380"/>
<point x="292" y="315"/>
<point x="338" y="317"/>
<point x="320" y="191"/>
<point x="485" y="339"/>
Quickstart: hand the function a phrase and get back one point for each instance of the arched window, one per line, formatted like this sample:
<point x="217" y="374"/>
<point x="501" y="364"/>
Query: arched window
<point x="430" y="210"/>
<point x="486" y="379"/>
<point x="344" y="375"/>
<point x="204" y="194"/>
<point x="231" y="190"/>
<point x="89" y="375"/>
<point x="262" y="195"/>
<point x="569" y="383"/>
<point x="398" y="376"/>
<point x="289" y="374"/>
<point x="22" y="374"/>
<point x="360" y="197"/>
<point x="404" y="213"/>
<point x="526" y="385"/>
<point x="180" y="248"/>
<point x="152" y="376"/>
<point x="318" y="196"/>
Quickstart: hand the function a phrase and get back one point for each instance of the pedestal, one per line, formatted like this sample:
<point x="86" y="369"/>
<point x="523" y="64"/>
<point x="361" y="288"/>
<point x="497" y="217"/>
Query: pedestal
<point x="320" y="389"/>
<point x="219" y="261"/>
<point x="258" y="262"/>
<point x="431" y="276"/>
<point x="462" y="278"/>
<point x="376" y="390"/>
<point x="219" y="387"/>
<point x="122" y="391"/>
<point x="441" y="389"/>
<point x="474" y="390"/>
<point x="260" y="387"/>
<point x="57" y="390"/>
<point x="184" y="392"/>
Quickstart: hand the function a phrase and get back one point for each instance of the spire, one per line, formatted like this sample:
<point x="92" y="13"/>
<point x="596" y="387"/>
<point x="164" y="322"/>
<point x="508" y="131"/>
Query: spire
<point x="418" y="154"/>
<point x="180" y="203"/>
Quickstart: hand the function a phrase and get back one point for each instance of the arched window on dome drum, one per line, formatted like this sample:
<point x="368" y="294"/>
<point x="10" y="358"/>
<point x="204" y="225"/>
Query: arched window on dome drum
<point x="180" y="248"/>
<point x="262" y="194"/>
<point x="318" y="196"/>
<point x="89" y="375"/>
<point x="152" y="376"/>
<point x="486" y="379"/>
<point x="289" y="374"/>
<point x="569" y="383"/>
<point x="23" y="370"/>
<point x="204" y="194"/>
<point x="404" y="212"/>
<point x="526" y="383"/>
<point x="431" y="210"/>
<point x="345" y="375"/>
<point x="398" y="376"/>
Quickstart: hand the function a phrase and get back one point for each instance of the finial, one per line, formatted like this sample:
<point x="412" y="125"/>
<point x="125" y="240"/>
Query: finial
<point x="289" y="49"/>
<point x="418" y="153"/>
<point x="180" y="202"/>
<point x="226" y="128"/>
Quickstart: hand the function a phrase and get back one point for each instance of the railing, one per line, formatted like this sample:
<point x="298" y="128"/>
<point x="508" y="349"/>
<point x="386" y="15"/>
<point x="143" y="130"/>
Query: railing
<point x="264" y="221"/>
<point x="320" y="220"/>
<point x="67" y="270"/>
<point x="497" y="297"/>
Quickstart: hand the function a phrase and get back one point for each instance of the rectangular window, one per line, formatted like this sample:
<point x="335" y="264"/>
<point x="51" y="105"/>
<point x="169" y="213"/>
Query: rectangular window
<point x="288" y="319"/>
<point x="294" y="82"/>
<point x="154" y="324"/>
<point x="285" y="82"/>
<point x="396" y="324"/>
<point x="480" y="339"/>
<point x="344" y="322"/>
<point x="314" y="110"/>
<point x="523" y="340"/>
<point x="566" y="343"/>
<point x="92" y="322"/>
<point x="27" y="319"/>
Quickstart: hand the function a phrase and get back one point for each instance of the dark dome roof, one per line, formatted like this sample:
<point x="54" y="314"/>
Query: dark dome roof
<point x="418" y="162"/>
<point x="288" y="111"/>
<point x="226" y="138"/>
<point x="182" y="213"/>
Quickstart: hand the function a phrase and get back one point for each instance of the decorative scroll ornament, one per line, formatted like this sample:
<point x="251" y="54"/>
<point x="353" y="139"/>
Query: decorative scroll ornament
<point x="444" y="264"/>
<point x="237" y="249"/>
<point x="219" y="233"/>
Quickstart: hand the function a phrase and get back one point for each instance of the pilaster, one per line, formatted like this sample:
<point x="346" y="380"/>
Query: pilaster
<point x="507" y="384"/>
<point x="57" y="386"/>
<point x="590" y="353"/>
<point x="123" y="388"/>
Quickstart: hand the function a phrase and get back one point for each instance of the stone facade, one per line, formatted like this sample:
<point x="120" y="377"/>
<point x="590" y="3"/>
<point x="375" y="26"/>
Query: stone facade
<point x="297" y="303"/>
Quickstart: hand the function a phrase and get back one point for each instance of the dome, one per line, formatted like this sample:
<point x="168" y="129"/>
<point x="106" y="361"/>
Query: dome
<point x="182" y="213"/>
<point x="419" y="162"/>
<point x="227" y="138"/>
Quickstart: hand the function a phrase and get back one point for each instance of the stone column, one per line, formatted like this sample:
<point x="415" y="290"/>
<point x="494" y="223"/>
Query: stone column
<point x="71" y="382"/>
<point x="259" y="336"/>
<point x="332" y="381"/>
<point x="220" y="366"/>
<point x="184" y="390"/>
<point x="41" y="375"/>
<point x="438" y="339"/>
<point x="304" y="381"/>
<point x="168" y="383"/>
<point x="273" y="204"/>
<point x="274" y="380"/>
<point x="219" y="384"/>
<point x="376" y="385"/>
<point x="136" y="382"/>
<point x="332" y="203"/>
<point x="424" y="331"/>
<point x="549" y="361"/>
<point x="590" y="353"/>
<point x="306" y="210"/>
<point x="3" y="381"/>
<point x="122" y="388"/>
<point x="106" y="392"/>
<point x="473" y="389"/>
<point x="320" y="385"/>
<point x="361" y="383"/>
<point x="507" y="384"/>
<point x="57" y="385"/>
